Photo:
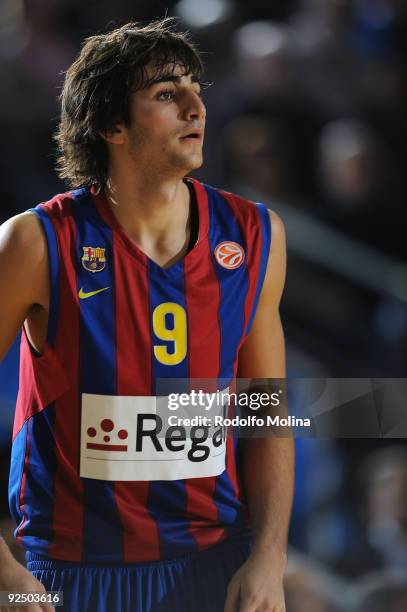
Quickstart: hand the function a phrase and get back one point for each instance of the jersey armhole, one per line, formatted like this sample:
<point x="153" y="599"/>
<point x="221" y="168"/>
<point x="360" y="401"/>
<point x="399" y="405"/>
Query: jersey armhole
<point x="53" y="267"/>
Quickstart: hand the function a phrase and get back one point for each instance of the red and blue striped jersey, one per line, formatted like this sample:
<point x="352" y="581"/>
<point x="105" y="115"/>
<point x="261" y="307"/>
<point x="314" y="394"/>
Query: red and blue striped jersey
<point x="118" y="323"/>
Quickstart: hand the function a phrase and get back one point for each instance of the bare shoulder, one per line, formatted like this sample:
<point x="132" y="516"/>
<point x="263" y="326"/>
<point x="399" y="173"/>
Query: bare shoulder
<point x="23" y="231"/>
<point x="276" y="267"/>
<point x="278" y="237"/>
<point x="277" y="258"/>
<point x="24" y="257"/>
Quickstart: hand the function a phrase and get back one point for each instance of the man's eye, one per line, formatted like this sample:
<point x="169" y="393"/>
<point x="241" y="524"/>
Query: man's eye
<point x="166" y="95"/>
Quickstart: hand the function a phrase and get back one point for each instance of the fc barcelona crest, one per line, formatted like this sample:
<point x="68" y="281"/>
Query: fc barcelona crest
<point x="93" y="259"/>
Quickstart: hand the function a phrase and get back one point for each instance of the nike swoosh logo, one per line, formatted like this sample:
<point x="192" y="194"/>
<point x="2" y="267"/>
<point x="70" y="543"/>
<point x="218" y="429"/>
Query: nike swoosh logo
<point x="83" y="295"/>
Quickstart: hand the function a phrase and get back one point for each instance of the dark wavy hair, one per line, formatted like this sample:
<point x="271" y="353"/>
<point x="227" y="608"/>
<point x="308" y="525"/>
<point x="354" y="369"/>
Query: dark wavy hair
<point x="98" y="86"/>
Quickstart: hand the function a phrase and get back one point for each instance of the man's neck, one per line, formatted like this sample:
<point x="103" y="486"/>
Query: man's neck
<point x="155" y="214"/>
<point x="148" y="208"/>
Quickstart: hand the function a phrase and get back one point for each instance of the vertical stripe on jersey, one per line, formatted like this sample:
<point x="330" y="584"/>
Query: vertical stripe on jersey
<point x="38" y="489"/>
<point x="224" y="226"/>
<point x="53" y="265"/>
<point x="102" y="528"/>
<point x="168" y="499"/>
<point x="68" y="488"/>
<point x="266" y="231"/>
<point x="258" y="231"/>
<point x="232" y="301"/>
<point x="204" y="363"/>
<point x="203" y="325"/>
<point x="15" y="479"/>
<point x="134" y="377"/>
<point x="23" y="445"/>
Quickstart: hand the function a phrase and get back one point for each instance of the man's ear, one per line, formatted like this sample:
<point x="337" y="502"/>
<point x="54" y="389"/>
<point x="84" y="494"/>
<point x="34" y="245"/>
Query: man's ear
<point x="116" y="135"/>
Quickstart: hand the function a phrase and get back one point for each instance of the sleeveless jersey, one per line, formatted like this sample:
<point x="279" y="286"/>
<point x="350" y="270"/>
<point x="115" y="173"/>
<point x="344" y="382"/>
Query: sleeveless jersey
<point x="85" y="485"/>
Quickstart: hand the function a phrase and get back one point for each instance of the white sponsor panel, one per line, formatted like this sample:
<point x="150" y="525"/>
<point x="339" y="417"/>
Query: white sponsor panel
<point x="129" y="438"/>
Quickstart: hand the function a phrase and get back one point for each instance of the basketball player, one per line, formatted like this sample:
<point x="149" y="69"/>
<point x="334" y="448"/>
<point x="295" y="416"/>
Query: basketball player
<point x="136" y="275"/>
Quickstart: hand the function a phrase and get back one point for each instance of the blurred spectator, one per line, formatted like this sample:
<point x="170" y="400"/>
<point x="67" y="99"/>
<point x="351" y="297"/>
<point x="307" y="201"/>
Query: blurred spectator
<point x="356" y="184"/>
<point x="264" y="58"/>
<point x="382" y="540"/>
<point x="259" y="150"/>
<point x="351" y="165"/>
<point x="317" y="520"/>
<point x="385" y="475"/>
<point x="34" y="52"/>
<point x="301" y="595"/>
<point x="382" y="592"/>
<point x="330" y="68"/>
<point x="311" y="587"/>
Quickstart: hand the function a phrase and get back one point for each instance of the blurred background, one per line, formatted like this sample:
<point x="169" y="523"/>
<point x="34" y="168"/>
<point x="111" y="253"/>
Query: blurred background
<point x="307" y="113"/>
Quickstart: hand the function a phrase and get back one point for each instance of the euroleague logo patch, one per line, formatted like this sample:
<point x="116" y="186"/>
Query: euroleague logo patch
<point x="229" y="254"/>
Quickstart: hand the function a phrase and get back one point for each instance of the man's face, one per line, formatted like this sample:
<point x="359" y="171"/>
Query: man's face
<point x="167" y="122"/>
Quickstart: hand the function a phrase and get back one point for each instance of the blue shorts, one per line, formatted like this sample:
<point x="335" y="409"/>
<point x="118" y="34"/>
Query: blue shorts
<point x="192" y="583"/>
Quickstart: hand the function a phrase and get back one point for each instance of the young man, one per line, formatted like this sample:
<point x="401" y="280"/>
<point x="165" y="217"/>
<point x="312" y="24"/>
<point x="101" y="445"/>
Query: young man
<point x="139" y="275"/>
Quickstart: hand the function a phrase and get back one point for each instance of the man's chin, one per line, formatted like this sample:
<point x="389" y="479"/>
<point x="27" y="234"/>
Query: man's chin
<point x="189" y="164"/>
<point x="197" y="165"/>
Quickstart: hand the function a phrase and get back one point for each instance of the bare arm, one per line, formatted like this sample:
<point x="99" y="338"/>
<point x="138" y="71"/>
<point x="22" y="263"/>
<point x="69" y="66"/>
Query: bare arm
<point x="268" y="463"/>
<point x="24" y="281"/>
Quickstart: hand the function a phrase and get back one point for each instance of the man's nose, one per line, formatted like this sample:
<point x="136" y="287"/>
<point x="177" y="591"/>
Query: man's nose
<point x="195" y="108"/>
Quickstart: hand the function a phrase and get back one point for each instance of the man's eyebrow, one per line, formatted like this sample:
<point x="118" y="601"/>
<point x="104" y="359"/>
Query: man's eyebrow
<point x="172" y="78"/>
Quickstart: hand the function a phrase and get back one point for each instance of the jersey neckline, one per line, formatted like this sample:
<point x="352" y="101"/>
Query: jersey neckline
<point x="138" y="254"/>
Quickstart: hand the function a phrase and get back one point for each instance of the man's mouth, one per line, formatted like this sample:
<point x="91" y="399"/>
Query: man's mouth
<point x="193" y="135"/>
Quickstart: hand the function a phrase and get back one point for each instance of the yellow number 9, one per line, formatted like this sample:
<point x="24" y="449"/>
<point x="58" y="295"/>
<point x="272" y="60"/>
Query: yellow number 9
<point x="178" y="335"/>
